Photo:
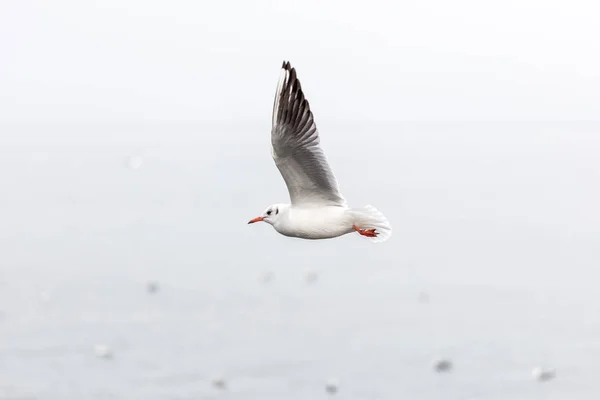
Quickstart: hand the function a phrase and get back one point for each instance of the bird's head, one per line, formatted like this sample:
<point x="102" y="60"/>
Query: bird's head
<point x="271" y="214"/>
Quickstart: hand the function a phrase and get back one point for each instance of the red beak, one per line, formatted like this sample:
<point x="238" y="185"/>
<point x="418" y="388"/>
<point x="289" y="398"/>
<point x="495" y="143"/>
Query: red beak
<point x="257" y="219"/>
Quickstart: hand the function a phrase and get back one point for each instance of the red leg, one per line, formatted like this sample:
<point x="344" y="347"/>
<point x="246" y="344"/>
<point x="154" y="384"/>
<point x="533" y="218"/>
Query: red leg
<point x="365" y="232"/>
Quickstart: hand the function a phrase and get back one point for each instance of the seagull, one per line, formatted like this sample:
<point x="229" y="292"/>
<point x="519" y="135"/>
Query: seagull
<point x="317" y="210"/>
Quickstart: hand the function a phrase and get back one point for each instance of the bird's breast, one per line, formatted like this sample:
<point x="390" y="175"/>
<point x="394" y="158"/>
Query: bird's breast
<point x="314" y="223"/>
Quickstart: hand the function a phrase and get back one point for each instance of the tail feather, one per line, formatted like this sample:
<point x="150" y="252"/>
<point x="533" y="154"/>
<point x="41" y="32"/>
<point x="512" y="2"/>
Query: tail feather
<point x="369" y="217"/>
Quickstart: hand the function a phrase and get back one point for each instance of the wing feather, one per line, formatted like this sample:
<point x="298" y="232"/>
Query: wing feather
<point x="296" y="146"/>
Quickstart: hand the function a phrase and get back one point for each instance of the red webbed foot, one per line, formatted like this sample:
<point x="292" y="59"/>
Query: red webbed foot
<point x="366" y="232"/>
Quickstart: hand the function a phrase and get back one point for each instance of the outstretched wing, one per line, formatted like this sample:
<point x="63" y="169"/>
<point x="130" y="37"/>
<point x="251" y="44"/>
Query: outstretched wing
<point x="295" y="147"/>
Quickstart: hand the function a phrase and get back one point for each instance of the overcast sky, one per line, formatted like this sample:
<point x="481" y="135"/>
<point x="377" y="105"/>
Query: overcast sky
<point x="140" y="60"/>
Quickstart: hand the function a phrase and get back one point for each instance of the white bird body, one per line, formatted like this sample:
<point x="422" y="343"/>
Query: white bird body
<point x="314" y="223"/>
<point x="317" y="210"/>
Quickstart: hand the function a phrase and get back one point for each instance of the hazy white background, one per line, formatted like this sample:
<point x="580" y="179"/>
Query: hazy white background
<point x="197" y="60"/>
<point x="472" y="125"/>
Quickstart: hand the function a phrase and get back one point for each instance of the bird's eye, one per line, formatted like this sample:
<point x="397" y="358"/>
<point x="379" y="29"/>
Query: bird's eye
<point x="269" y="212"/>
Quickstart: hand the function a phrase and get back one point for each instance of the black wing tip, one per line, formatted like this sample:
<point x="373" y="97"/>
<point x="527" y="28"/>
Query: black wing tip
<point x="293" y="79"/>
<point x="286" y="65"/>
<point x="292" y="83"/>
<point x="293" y="109"/>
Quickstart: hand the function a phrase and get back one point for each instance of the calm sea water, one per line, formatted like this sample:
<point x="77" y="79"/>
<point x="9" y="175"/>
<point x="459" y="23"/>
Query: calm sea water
<point x="493" y="264"/>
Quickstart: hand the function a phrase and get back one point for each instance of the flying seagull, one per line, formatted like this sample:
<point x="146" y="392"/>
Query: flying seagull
<point x="317" y="210"/>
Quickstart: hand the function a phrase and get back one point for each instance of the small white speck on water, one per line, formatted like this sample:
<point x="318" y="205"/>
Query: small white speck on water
<point x="423" y="298"/>
<point x="39" y="157"/>
<point x="44" y="296"/>
<point x="443" y="365"/>
<point x="135" y="162"/>
<point x="311" y="277"/>
<point x="332" y="386"/>
<point x="152" y="287"/>
<point x="542" y="375"/>
<point x="219" y="382"/>
<point x="103" y="351"/>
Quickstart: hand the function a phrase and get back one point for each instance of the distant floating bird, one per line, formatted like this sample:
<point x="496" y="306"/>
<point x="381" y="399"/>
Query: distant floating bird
<point x="317" y="210"/>
<point x="152" y="287"/>
<point x="102" y="351"/>
<point x="443" y="365"/>
<point x="219" y="383"/>
<point x="542" y="374"/>
<point x="332" y="386"/>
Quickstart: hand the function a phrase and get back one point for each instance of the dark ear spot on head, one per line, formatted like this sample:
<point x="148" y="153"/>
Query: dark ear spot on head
<point x="276" y="211"/>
